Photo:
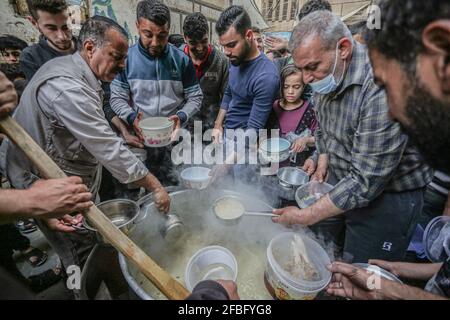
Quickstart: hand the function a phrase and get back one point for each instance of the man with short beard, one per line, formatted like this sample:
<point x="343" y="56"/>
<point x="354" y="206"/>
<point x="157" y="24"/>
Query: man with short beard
<point x="210" y="64"/>
<point x="410" y="56"/>
<point x="253" y="83"/>
<point x="158" y="81"/>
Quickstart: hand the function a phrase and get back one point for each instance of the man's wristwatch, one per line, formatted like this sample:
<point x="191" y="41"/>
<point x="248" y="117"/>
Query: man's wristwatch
<point x="182" y="116"/>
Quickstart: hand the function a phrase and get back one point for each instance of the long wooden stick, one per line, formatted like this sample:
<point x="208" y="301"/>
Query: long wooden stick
<point x="171" y="288"/>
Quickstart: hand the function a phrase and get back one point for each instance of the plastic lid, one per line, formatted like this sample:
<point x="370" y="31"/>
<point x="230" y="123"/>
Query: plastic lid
<point x="436" y="239"/>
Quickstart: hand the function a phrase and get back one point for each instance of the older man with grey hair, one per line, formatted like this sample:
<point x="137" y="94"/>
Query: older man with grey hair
<point x="378" y="177"/>
<point x="61" y="109"/>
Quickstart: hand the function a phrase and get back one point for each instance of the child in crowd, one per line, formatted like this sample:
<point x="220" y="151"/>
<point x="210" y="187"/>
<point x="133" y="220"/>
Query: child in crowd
<point x="295" y="114"/>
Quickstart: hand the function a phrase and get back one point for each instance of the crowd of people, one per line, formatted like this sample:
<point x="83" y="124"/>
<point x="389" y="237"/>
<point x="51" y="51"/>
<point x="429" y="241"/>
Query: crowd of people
<point x="366" y="110"/>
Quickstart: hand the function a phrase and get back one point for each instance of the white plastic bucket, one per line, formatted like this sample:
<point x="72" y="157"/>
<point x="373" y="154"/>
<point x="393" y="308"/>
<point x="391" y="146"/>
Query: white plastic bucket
<point x="281" y="284"/>
<point x="199" y="266"/>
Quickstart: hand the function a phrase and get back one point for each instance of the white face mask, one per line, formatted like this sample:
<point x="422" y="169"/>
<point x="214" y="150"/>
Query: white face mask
<point x="328" y="84"/>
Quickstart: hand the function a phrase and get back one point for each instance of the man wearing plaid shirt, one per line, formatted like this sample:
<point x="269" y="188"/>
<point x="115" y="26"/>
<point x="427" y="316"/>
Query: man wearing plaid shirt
<point x="379" y="178"/>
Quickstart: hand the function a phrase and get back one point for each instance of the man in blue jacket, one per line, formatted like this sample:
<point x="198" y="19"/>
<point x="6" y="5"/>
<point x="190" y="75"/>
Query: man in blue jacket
<point x="159" y="79"/>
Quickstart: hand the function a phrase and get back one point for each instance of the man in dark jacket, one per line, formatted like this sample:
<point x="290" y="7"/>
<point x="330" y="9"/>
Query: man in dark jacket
<point x="51" y="19"/>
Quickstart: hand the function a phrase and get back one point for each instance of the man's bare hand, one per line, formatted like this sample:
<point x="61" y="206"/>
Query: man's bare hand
<point x="352" y="282"/>
<point x="56" y="197"/>
<point x="217" y="134"/>
<point x="293" y="215"/>
<point x="276" y="44"/>
<point x="132" y="140"/>
<point x="8" y="96"/>
<point x="136" y="127"/>
<point x="321" y="173"/>
<point x="177" y="126"/>
<point x="63" y="224"/>
<point x="309" y="167"/>
<point x="162" y="199"/>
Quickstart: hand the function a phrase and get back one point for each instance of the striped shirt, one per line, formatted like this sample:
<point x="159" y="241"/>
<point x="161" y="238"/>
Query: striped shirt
<point x="441" y="183"/>
<point x="367" y="151"/>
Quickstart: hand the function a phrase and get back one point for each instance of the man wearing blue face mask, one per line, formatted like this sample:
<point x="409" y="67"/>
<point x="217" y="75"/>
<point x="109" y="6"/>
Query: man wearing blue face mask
<point x="379" y="178"/>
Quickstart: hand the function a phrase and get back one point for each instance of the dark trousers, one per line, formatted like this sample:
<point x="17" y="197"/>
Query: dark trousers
<point x="159" y="163"/>
<point x="382" y="230"/>
<point x="11" y="239"/>
<point x="12" y="288"/>
<point x="111" y="188"/>
<point x="433" y="206"/>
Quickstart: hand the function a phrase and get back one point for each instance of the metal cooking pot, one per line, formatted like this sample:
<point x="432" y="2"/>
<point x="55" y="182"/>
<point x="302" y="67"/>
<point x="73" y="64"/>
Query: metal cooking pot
<point x="290" y="178"/>
<point x="275" y="150"/>
<point x="121" y="212"/>
<point x="247" y="241"/>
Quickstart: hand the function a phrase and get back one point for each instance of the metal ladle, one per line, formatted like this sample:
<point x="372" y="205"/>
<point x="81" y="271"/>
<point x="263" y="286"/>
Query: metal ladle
<point x="239" y="211"/>
<point x="173" y="228"/>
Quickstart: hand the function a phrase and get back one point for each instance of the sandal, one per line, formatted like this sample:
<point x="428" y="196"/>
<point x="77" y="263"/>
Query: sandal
<point x="26" y="226"/>
<point x="44" y="280"/>
<point x="36" y="257"/>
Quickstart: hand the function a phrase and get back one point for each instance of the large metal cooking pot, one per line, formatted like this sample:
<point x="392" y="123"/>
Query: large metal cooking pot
<point x="247" y="241"/>
<point x="101" y="278"/>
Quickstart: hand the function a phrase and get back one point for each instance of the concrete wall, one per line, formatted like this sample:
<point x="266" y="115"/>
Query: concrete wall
<point x="13" y="19"/>
<point x="125" y="15"/>
<point x="124" y="12"/>
<point x="277" y="23"/>
<point x="12" y="23"/>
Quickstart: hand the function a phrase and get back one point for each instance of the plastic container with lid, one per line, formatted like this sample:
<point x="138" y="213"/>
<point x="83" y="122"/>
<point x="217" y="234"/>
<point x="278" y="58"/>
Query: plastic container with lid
<point x="281" y="283"/>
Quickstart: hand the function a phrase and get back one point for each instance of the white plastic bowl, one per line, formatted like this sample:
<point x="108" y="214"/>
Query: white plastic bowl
<point x="157" y="131"/>
<point x="207" y="264"/>
<point x="282" y="284"/>
<point x="196" y="177"/>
